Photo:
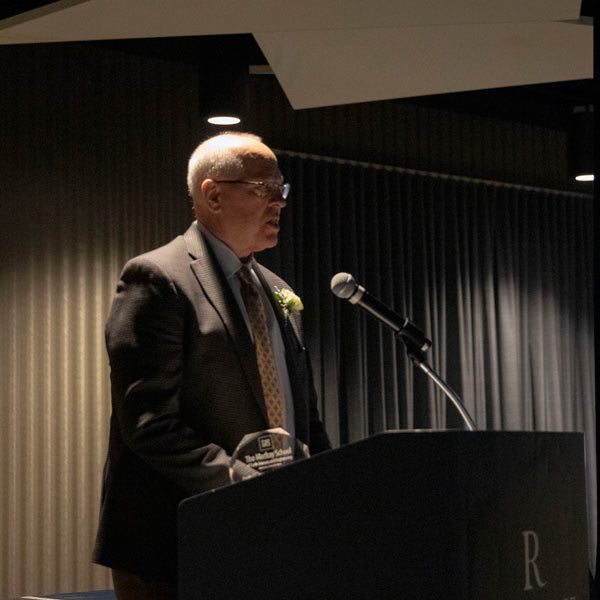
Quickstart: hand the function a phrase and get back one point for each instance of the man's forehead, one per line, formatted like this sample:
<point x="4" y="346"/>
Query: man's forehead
<point x="256" y="163"/>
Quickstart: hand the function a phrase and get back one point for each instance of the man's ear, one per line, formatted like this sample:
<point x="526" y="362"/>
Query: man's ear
<point x="210" y="191"/>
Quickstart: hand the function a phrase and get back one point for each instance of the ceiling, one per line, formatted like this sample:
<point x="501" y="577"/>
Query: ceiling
<point x="547" y="105"/>
<point x="332" y="52"/>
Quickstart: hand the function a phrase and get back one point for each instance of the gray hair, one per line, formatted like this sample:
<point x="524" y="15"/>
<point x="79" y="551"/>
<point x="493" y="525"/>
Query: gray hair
<point x="216" y="158"/>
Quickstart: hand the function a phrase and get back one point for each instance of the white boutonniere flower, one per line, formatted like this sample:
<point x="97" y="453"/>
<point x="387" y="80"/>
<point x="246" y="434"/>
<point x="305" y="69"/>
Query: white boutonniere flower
<point x="289" y="302"/>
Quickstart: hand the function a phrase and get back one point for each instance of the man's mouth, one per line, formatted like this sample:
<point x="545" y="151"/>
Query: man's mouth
<point x="273" y="222"/>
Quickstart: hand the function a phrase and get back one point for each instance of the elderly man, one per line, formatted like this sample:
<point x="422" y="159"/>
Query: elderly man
<point x="201" y="353"/>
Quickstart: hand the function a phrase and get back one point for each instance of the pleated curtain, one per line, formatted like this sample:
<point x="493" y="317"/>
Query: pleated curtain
<point x="498" y="276"/>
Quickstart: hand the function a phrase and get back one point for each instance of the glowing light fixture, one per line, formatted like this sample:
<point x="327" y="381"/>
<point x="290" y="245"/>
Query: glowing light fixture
<point x="580" y="149"/>
<point x="224" y="93"/>
<point x="223" y="120"/>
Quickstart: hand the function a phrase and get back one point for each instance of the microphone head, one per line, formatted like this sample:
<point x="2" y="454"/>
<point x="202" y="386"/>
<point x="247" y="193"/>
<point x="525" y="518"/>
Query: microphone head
<point x="343" y="285"/>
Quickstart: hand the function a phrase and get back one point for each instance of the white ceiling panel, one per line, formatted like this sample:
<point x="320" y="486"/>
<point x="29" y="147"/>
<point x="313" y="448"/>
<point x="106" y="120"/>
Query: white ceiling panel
<point x="322" y="68"/>
<point x="113" y="19"/>
<point x="328" y="52"/>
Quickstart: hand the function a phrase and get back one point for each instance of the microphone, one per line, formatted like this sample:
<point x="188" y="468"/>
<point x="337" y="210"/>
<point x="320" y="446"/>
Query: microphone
<point x="344" y="286"/>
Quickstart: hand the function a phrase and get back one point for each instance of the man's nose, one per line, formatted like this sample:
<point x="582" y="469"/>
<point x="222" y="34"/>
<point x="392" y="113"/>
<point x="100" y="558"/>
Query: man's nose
<point x="277" y="198"/>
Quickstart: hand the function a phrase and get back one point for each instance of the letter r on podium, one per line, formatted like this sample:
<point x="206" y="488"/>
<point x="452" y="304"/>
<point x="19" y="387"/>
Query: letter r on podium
<point x="531" y="549"/>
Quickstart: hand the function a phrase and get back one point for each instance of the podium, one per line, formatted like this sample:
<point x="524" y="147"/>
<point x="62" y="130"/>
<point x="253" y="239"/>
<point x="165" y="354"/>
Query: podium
<point x="404" y="515"/>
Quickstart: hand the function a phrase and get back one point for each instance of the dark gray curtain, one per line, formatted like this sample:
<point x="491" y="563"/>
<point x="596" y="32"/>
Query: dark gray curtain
<point x="498" y="276"/>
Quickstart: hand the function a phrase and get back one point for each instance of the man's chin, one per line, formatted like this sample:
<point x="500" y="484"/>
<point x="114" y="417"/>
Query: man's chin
<point x="268" y="242"/>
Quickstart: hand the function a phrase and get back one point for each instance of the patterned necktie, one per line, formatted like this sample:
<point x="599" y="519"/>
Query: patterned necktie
<point x="264" y="349"/>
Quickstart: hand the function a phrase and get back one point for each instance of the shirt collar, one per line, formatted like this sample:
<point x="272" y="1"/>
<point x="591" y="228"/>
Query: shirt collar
<point x="228" y="260"/>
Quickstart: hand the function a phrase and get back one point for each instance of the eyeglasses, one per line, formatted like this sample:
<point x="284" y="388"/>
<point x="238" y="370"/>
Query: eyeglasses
<point x="266" y="189"/>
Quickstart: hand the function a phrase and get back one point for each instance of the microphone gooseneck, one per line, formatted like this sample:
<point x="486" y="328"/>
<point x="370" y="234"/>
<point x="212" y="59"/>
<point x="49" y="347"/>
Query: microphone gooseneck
<point x="344" y="286"/>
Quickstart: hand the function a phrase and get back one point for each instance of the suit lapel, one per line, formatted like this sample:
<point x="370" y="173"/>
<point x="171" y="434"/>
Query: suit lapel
<point x="288" y="326"/>
<point x="212" y="280"/>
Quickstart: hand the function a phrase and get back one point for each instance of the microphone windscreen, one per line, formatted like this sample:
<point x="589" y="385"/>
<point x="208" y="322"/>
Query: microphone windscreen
<point x="343" y="285"/>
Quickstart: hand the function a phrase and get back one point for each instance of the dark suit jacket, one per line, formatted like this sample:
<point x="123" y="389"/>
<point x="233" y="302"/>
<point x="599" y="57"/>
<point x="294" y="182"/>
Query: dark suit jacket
<point x="185" y="390"/>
